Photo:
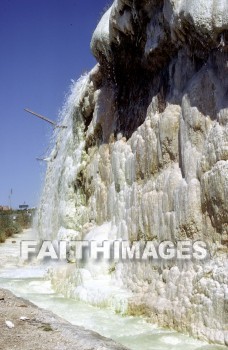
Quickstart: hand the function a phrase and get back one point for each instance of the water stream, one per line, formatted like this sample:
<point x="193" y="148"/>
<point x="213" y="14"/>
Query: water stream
<point x="30" y="282"/>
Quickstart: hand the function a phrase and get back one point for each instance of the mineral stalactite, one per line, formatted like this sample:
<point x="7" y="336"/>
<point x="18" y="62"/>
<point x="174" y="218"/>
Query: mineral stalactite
<point x="145" y="156"/>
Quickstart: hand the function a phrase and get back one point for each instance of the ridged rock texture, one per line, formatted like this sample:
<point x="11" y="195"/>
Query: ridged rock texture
<point x="146" y="152"/>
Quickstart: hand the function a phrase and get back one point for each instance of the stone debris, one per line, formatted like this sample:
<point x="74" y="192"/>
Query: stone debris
<point x="9" y="324"/>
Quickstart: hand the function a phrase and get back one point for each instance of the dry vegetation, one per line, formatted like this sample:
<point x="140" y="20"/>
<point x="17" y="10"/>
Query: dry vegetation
<point x="12" y="222"/>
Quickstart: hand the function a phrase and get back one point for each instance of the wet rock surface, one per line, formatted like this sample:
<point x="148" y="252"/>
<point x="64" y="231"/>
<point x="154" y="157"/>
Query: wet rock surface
<point x="146" y="152"/>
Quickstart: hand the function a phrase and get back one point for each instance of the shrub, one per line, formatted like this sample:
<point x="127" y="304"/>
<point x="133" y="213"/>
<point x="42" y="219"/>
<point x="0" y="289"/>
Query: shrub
<point x="2" y="237"/>
<point x="8" y="226"/>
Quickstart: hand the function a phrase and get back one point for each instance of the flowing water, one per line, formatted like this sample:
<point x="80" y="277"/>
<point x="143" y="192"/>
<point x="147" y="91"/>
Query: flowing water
<point x="29" y="281"/>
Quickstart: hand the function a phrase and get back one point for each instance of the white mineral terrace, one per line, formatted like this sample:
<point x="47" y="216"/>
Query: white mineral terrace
<point x="29" y="281"/>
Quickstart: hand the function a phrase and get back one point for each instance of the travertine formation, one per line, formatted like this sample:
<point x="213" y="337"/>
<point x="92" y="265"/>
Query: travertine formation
<point x="145" y="156"/>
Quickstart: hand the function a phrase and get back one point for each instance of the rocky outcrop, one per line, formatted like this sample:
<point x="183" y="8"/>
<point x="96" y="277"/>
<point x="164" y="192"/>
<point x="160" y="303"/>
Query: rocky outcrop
<point x="150" y="129"/>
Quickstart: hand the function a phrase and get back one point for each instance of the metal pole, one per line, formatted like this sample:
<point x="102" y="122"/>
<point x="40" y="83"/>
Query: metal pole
<point x="41" y="117"/>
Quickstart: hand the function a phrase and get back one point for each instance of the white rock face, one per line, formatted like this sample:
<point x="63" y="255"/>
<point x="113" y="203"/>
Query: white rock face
<point x="208" y="17"/>
<point x="145" y="156"/>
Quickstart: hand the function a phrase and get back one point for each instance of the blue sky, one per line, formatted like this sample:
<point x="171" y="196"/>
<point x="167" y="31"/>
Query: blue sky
<point x="43" y="45"/>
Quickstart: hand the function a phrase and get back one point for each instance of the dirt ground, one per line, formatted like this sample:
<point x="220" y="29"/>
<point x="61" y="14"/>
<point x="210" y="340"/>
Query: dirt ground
<point x="42" y="329"/>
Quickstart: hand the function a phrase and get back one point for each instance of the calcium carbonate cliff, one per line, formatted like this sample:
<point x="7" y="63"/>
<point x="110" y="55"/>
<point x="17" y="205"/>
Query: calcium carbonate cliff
<point x="144" y="156"/>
